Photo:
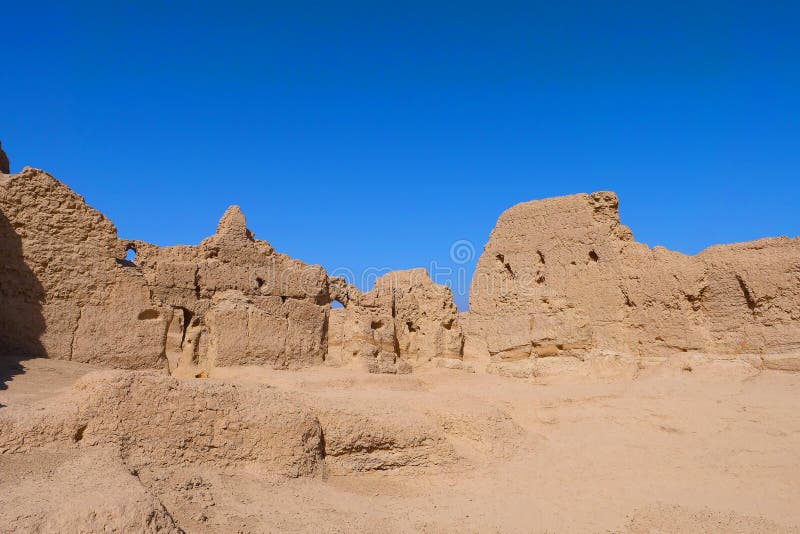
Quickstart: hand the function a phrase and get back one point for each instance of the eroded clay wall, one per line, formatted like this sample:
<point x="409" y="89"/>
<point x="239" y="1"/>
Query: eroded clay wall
<point x="559" y="278"/>
<point x="404" y="321"/>
<point x="563" y="277"/>
<point x="238" y="301"/>
<point x="68" y="293"/>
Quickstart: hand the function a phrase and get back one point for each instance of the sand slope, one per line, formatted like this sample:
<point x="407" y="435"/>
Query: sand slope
<point x="446" y="451"/>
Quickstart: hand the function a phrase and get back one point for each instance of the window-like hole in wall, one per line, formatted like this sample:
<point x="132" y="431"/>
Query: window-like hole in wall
<point x="130" y="256"/>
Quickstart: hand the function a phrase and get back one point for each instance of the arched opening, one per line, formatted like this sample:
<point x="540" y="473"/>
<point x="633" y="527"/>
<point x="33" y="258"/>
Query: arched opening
<point x="130" y="256"/>
<point x="336" y="305"/>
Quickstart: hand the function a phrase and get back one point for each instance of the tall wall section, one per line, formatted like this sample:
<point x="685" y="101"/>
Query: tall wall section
<point x="563" y="277"/>
<point x="68" y="293"/>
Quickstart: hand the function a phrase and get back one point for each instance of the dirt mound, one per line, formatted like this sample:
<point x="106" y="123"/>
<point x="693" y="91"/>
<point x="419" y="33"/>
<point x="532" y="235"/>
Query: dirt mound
<point x="155" y="419"/>
<point x="77" y="491"/>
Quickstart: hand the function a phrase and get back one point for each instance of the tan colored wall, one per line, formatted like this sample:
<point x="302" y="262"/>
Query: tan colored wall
<point x="559" y="278"/>
<point x="563" y="277"/>
<point x="404" y="321"/>
<point x="67" y="292"/>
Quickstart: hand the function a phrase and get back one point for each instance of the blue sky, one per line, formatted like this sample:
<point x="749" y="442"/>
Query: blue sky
<point x="375" y="134"/>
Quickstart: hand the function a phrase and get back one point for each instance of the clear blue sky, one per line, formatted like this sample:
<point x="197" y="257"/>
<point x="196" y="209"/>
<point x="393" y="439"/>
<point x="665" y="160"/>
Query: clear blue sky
<point x="375" y="134"/>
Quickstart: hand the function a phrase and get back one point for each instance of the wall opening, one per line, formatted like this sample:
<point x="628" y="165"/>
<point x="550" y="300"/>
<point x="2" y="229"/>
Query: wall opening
<point x="130" y="256"/>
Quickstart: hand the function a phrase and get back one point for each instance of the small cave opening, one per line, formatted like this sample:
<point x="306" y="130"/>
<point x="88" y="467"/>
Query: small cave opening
<point x="593" y="256"/>
<point x="335" y="305"/>
<point x="376" y="324"/>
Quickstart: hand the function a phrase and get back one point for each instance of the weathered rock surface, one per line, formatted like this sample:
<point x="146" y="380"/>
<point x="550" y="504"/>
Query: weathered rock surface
<point x="378" y="438"/>
<point x="563" y="278"/>
<point x="404" y="321"/>
<point x="561" y="282"/>
<point x="68" y="293"/>
<point x="237" y="301"/>
<point x="154" y="419"/>
<point x="58" y="257"/>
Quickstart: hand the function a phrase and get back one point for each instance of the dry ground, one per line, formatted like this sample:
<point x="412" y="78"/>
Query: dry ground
<point x="706" y="450"/>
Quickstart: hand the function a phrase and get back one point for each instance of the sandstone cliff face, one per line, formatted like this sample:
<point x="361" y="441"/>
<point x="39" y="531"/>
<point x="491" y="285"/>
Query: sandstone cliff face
<point x="563" y="277"/>
<point x="67" y="292"/>
<point x="404" y="321"/>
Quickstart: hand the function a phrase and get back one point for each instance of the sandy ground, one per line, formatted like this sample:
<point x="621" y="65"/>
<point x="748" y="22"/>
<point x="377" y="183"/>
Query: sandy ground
<point x="671" y="451"/>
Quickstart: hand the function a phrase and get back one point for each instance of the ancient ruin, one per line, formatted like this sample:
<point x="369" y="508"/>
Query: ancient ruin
<point x="231" y="300"/>
<point x="563" y="279"/>
<point x="170" y="389"/>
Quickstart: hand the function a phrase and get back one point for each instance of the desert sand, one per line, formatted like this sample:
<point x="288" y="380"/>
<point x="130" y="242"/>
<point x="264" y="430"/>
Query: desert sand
<point x="714" y="449"/>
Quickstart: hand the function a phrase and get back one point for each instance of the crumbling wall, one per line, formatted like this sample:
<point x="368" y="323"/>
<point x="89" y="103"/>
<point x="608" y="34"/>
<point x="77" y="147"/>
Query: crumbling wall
<point x="562" y="277"/>
<point x="68" y="293"/>
<point x="238" y="301"/>
<point x="404" y="321"/>
<point x="63" y="291"/>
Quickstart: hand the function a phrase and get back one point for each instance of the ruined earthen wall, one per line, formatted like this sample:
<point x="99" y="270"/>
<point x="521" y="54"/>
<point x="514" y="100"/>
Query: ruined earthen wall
<point x="68" y="293"/>
<point x="563" y="277"/>
<point x="404" y="321"/>
<point x="59" y="260"/>
<point x="559" y="278"/>
<point x="237" y="301"/>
